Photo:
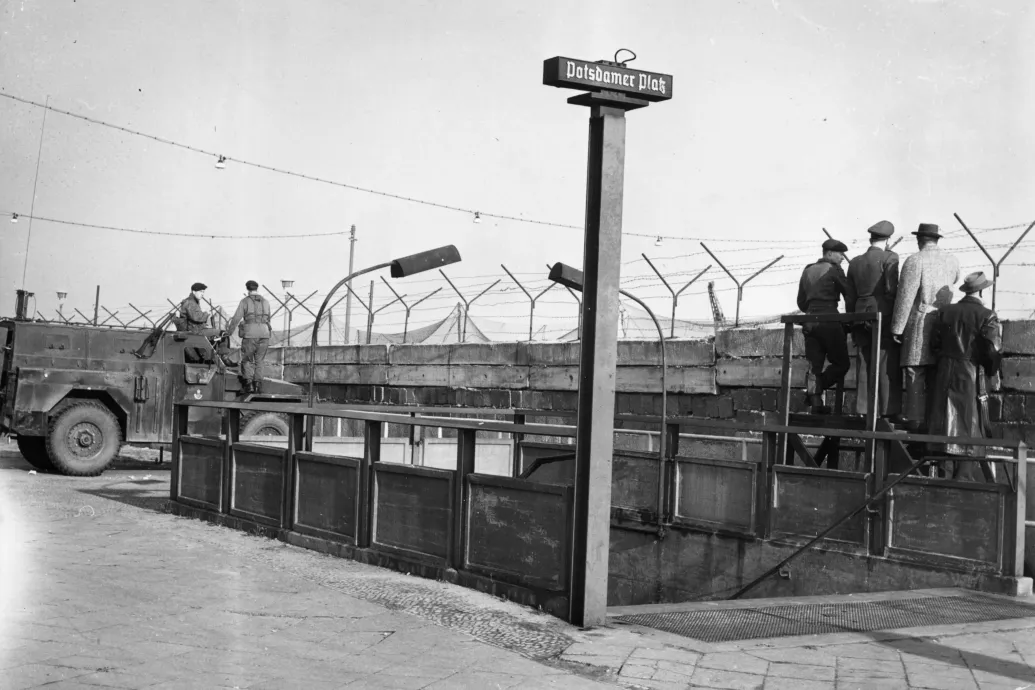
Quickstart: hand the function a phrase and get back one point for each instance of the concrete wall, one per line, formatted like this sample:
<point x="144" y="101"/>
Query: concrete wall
<point x="733" y="376"/>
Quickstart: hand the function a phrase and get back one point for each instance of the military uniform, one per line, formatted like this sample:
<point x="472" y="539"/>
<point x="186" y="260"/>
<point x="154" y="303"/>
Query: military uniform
<point x="820" y="289"/>
<point x="924" y="286"/>
<point x="192" y="318"/>
<point x="872" y="286"/>
<point x="253" y="315"/>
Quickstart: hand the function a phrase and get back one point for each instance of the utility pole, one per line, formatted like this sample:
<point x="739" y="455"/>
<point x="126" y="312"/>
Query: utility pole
<point x="348" y="296"/>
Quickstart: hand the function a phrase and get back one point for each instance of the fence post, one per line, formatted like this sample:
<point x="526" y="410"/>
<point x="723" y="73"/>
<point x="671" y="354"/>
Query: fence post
<point x="995" y="264"/>
<point x="1020" y="511"/>
<point x="518" y="465"/>
<point x="367" y="483"/>
<point x="180" y="414"/>
<point x="299" y="437"/>
<point x="231" y="435"/>
<point x="467" y="303"/>
<point x="675" y="294"/>
<point x="465" y="440"/>
<point x="531" y="312"/>
<point x="740" y="284"/>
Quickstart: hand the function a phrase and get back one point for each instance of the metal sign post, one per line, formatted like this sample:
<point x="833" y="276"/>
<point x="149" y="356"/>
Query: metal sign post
<point x="613" y="89"/>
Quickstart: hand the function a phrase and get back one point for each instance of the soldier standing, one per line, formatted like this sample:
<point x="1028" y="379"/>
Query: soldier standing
<point x="253" y="314"/>
<point x="820" y="289"/>
<point x="192" y="318"/>
<point x="872" y="286"/>
<point x="924" y="286"/>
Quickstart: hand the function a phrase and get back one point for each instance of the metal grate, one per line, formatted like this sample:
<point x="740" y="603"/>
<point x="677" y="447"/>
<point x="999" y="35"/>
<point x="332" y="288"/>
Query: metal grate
<point x="814" y="619"/>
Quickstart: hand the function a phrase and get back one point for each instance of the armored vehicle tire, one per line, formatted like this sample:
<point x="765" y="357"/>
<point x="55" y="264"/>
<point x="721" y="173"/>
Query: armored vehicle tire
<point x="265" y="424"/>
<point x="84" y="439"/>
<point x="34" y="450"/>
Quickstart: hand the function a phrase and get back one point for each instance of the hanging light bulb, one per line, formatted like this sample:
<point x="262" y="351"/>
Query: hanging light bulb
<point x="657" y="242"/>
<point x="14" y="217"/>
<point x="221" y="163"/>
<point x="477" y="217"/>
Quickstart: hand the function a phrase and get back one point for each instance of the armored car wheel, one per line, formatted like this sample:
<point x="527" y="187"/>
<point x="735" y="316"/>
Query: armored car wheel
<point x="34" y="450"/>
<point x="84" y="439"/>
<point x="265" y="424"/>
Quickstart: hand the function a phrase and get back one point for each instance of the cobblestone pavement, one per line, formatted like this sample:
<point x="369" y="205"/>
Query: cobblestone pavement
<point x="101" y="588"/>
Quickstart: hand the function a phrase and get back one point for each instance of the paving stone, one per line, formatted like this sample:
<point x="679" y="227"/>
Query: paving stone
<point x="715" y="678"/>
<point x="801" y="671"/>
<point x="734" y="661"/>
<point x="778" y="683"/>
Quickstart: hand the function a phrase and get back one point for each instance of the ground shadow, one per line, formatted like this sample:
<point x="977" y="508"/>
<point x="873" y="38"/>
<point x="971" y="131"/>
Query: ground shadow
<point x="975" y="661"/>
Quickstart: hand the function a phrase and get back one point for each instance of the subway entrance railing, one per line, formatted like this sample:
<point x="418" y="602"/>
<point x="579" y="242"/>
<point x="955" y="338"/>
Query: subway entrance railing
<point x="507" y="536"/>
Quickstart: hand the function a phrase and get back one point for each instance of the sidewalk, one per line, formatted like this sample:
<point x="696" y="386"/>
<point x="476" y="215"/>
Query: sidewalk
<point x="100" y="588"/>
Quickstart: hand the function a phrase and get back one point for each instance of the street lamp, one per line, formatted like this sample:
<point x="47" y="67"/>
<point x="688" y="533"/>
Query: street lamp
<point x="286" y="285"/>
<point x="572" y="278"/>
<point x="61" y="304"/>
<point x="402" y="267"/>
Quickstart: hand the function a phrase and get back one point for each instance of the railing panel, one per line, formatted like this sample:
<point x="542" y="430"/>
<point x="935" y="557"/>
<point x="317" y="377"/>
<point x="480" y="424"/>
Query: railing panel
<point x="519" y="531"/>
<point x="200" y="472"/>
<point x="413" y="510"/>
<point x="717" y="494"/>
<point x="326" y="497"/>
<point x="395" y="450"/>
<point x="257" y="488"/>
<point x="634" y="481"/>
<point x="944" y="520"/>
<point x="808" y="500"/>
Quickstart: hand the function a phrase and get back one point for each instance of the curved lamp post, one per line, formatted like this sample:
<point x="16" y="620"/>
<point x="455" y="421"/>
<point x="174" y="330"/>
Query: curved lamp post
<point x="572" y="278"/>
<point x="405" y="266"/>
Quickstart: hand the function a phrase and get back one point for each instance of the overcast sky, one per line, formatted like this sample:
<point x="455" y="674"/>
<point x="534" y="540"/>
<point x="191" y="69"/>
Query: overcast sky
<point x="788" y="116"/>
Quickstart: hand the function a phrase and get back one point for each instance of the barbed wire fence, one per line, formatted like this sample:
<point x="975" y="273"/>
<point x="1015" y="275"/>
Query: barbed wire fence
<point x="432" y="314"/>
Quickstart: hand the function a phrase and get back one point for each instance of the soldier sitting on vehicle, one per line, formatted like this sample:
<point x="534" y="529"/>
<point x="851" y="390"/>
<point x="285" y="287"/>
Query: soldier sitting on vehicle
<point x="193" y="320"/>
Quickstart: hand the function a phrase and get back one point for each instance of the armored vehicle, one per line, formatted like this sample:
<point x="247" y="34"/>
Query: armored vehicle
<point x="74" y="394"/>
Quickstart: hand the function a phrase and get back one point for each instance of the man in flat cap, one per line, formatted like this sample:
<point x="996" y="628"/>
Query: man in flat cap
<point x="253" y="315"/>
<point x="966" y="342"/>
<point x="872" y="286"/>
<point x="193" y="318"/>
<point x="924" y="286"/>
<point x="820" y="289"/>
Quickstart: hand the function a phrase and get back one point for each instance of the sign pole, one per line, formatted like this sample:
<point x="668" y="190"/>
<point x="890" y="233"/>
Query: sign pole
<point x="614" y="89"/>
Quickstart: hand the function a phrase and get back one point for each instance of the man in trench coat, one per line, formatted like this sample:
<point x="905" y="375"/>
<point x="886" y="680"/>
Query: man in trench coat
<point x="966" y="343"/>
<point x="924" y="286"/>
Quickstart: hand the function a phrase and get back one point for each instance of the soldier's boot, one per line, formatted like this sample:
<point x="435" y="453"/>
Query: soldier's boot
<point x="257" y="387"/>
<point x="246" y="388"/>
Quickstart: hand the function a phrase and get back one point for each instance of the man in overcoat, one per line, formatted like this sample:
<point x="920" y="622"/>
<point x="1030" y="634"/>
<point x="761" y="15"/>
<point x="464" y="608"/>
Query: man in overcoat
<point x="192" y="317"/>
<point x="872" y="286"/>
<point x="820" y="290"/>
<point x="924" y="286"/>
<point x="966" y="343"/>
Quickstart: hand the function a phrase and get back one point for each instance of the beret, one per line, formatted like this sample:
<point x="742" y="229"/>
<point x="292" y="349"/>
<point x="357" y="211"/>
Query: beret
<point x="834" y="246"/>
<point x="251" y="285"/>
<point x="198" y="286"/>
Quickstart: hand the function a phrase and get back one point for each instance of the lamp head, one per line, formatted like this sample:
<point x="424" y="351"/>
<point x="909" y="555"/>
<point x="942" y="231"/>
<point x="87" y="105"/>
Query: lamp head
<point x="425" y="261"/>
<point x="566" y="276"/>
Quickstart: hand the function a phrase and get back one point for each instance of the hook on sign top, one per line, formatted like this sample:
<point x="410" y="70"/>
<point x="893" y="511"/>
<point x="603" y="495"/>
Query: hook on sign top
<point x="635" y="87"/>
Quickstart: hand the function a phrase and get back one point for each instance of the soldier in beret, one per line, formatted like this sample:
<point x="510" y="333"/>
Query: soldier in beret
<point x="192" y="318"/>
<point x="253" y="314"/>
<point x="925" y="286"/>
<point x="872" y="286"/>
<point x="820" y="289"/>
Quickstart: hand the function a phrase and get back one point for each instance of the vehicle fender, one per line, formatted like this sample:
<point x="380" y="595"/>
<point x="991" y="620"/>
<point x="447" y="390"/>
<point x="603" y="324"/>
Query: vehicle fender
<point x="40" y="390"/>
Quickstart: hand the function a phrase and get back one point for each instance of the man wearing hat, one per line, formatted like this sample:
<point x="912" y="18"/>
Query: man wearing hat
<point x="253" y="315"/>
<point x="872" y="285"/>
<point x="192" y="318"/>
<point x="924" y="286"/>
<point x="966" y="343"/>
<point x="820" y="289"/>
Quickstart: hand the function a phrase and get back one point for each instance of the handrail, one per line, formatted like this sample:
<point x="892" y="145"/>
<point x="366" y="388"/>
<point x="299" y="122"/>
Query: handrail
<point x="848" y="433"/>
<point x="404" y="419"/>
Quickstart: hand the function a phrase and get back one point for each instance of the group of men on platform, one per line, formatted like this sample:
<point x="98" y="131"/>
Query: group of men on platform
<point x="253" y="317"/>
<point x="942" y="351"/>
